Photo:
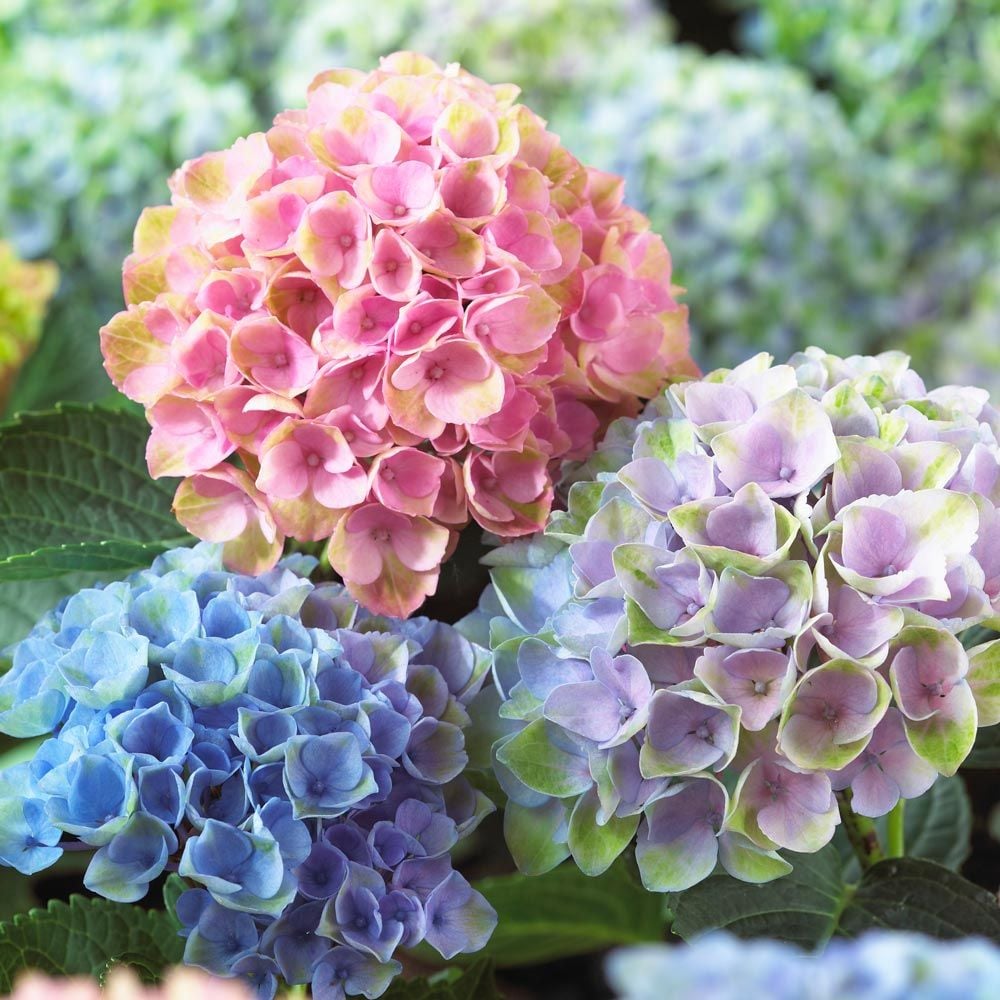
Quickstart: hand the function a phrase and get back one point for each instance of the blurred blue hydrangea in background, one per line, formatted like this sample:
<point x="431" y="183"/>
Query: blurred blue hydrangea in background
<point x="880" y="965"/>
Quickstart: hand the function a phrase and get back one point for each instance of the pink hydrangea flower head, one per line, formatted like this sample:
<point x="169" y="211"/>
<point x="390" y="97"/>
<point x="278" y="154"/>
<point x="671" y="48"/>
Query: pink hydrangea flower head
<point x="123" y="984"/>
<point x="405" y="302"/>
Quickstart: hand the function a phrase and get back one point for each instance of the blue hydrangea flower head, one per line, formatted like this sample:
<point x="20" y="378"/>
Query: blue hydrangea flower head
<point x="295" y="760"/>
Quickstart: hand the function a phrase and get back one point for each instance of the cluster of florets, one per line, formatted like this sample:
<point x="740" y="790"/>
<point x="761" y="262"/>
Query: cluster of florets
<point x="754" y="606"/>
<point x="297" y="763"/>
<point x="880" y="965"/>
<point x="402" y="306"/>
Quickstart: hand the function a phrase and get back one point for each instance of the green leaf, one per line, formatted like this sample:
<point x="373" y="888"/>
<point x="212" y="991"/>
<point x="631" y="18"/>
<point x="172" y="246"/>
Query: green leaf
<point x="83" y="937"/>
<point x="798" y="908"/>
<point x="75" y="495"/>
<point x="475" y="982"/>
<point x="937" y="827"/>
<point x="23" y="602"/>
<point x="914" y="895"/>
<point x="67" y="364"/>
<point x="564" y="913"/>
<point x="815" y="902"/>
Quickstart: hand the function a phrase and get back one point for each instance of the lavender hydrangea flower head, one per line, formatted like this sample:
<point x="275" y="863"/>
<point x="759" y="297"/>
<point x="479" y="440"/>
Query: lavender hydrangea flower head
<point x="295" y="760"/>
<point x="753" y="603"/>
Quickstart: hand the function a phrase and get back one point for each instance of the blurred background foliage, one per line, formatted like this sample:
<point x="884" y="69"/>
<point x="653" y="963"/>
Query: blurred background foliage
<point x="824" y="171"/>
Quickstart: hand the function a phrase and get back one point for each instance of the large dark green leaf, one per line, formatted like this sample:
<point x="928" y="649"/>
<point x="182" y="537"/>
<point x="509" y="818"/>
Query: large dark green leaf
<point x="23" y="602"/>
<point x="564" y="912"/>
<point x="907" y="894"/>
<point x="815" y="902"/>
<point x="75" y="495"/>
<point x="475" y="982"/>
<point x="800" y="907"/>
<point x="85" y="936"/>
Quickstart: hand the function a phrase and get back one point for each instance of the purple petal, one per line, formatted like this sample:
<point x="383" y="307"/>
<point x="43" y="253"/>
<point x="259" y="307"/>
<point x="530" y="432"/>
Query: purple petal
<point x="747" y="523"/>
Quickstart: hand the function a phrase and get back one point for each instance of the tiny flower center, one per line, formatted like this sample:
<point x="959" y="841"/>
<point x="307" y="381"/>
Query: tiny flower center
<point x="381" y="535"/>
<point x="435" y="373"/>
<point x="367" y="323"/>
<point x="490" y="483"/>
<point x="890" y="570"/>
<point x="483" y="329"/>
<point x="357" y="374"/>
<point x="391" y="266"/>
<point x="387" y="473"/>
<point x="416" y="327"/>
<point x="829" y="713"/>
<point x="760" y="687"/>
<point x="692" y="609"/>
<point x="490" y="285"/>
<point x="348" y="436"/>
<point x="785" y="473"/>
<point x="312" y="460"/>
<point x="347" y="241"/>
<point x="398" y="210"/>
<point x="704" y="733"/>
<point x="280" y="360"/>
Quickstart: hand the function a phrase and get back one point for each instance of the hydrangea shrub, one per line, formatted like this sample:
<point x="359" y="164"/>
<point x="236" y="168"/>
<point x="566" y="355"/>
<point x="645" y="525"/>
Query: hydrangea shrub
<point x="777" y="214"/>
<point x="880" y="965"/>
<point x="403" y="306"/>
<point x="754" y="603"/>
<point x="295" y="760"/>
<point x="919" y="81"/>
<point x="917" y="75"/>
<point x="552" y="48"/>
<point x="91" y="115"/>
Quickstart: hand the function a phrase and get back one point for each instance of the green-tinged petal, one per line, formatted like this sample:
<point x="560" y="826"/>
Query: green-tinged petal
<point x="535" y="759"/>
<point x="595" y="846"/>
<point x="536" y="837"/>
<point x="821" y="725"/>
<point x="984" y="680"/>
<point x="749" y="863"/>
<point x="945" y="739"/>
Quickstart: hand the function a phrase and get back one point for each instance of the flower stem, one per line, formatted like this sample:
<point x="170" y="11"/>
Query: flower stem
<point x="895" y="832"/>
<point x="860" y="832"/>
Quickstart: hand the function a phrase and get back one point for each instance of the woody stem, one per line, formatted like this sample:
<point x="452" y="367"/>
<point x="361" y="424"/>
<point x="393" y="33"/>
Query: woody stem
<point x="860" y="832"/>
